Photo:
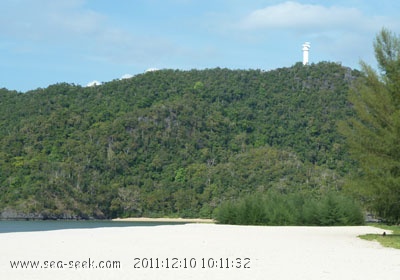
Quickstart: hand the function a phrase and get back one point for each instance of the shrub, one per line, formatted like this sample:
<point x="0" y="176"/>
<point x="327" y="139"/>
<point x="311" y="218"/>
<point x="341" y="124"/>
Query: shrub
<point x="273" y="208"/>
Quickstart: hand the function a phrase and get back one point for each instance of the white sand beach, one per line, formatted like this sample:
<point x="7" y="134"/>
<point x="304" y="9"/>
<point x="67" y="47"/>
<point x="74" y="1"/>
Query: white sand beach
<point x="167" y="220"/>
<point x="276" y="253"/>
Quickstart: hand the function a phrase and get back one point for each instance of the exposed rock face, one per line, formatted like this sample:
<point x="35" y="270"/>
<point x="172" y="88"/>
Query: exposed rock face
<point x="12" y="214"/>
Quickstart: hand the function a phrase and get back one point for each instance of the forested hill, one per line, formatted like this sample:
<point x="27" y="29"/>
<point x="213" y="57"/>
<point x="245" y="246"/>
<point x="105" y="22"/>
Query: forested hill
<point x="171" y="142"/>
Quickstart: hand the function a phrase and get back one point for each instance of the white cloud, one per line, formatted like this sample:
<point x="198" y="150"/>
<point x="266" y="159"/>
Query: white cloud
<point x="305" y="17"/>
<point x="126" y="76"/>
<point x="151" y="70"/>
<point x="93" y="83"/>
<point x="337" y="32"/>
<point x="48" y="20"/>
<point x="70" y="26"/>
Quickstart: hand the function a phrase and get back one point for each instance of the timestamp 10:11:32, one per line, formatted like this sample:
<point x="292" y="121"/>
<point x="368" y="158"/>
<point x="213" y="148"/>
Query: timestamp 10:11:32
<point x="204" y="263"/>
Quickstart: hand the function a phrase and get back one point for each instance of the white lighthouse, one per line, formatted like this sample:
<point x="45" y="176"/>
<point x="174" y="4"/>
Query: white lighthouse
<point x="306" y="48"/>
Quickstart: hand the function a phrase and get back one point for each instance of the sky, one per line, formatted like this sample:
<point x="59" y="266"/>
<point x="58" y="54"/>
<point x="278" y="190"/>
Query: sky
<point x="44" y="42"/>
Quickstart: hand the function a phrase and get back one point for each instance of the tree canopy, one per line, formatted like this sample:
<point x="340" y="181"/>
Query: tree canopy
<point x="172" y="142"/>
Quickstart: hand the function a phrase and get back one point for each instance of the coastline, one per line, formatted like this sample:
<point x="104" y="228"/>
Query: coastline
<point x="165" y="220"/>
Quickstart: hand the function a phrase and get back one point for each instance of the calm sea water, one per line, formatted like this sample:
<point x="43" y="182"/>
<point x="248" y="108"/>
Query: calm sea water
<point x="24" y="226"/>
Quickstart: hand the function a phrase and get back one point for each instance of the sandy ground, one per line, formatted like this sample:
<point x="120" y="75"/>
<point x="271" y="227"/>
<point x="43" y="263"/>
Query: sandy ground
<point x="167" y="220"/>
<point x="269" y="252"/>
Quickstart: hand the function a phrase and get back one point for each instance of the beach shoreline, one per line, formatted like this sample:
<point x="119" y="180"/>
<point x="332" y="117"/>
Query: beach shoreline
<point x="199" y="251"/>
<point x="165" y="220"/>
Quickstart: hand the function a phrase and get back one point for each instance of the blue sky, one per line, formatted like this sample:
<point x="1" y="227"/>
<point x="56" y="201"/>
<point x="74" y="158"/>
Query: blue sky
<point x="43" y="42"/>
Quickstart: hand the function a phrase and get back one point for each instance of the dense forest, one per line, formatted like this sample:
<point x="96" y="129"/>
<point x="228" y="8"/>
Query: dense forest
<point x="172" y="143"/>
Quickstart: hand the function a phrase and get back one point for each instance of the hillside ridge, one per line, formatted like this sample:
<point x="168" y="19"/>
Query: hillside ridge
<point x="171" y="142"/>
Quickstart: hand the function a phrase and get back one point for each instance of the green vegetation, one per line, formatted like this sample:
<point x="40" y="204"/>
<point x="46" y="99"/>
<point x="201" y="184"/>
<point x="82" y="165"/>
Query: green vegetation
<point x="373" y="133"/>
<point x="388" y="240"/>
<point x="272" y="208"/>
<point x="173" y="143"/>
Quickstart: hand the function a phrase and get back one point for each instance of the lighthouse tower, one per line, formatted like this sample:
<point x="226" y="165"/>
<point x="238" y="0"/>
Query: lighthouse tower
<point x="306" y="48"/>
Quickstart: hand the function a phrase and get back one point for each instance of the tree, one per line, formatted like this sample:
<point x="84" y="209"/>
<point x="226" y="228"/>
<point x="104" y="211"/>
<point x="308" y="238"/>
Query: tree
<point x="172" y="142"/>
<point x="373" y="133"/>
